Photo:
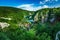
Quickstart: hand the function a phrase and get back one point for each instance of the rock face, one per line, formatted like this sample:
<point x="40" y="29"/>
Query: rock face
<point x="36" y="17"/>
<point x="4" y="24"/>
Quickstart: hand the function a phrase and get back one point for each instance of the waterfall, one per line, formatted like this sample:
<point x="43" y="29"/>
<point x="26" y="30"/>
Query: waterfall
<point x="52" y="20"/>
<point x="4" y="24"/>
<point x="57" y="35"/>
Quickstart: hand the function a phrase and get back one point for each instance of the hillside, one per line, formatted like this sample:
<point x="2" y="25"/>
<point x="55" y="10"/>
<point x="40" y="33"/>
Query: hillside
<point x="14" y="13"/>
<point x="53" y="10"/>
<point x="6" y="11"/>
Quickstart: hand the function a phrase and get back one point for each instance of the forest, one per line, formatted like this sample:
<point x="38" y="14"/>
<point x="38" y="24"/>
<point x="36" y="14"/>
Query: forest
<point x="18" y="24"/>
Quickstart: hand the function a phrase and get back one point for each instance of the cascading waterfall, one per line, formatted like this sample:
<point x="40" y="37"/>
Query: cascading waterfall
<point x="57" y="35"/>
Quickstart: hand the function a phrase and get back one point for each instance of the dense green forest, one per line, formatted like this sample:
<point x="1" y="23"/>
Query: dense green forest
<point x="42" y="24"/>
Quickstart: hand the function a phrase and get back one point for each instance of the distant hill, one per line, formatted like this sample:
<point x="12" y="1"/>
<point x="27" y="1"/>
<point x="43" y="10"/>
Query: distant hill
<point x="15" y="13"/>
<point x="6" y="11"/>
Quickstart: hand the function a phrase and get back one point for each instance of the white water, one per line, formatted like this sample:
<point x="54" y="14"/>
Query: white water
<point x="52" y="20"/>
<point x="6" y="18"/>
<point x="4" y="24"/>
<point x="57" y="35"/>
